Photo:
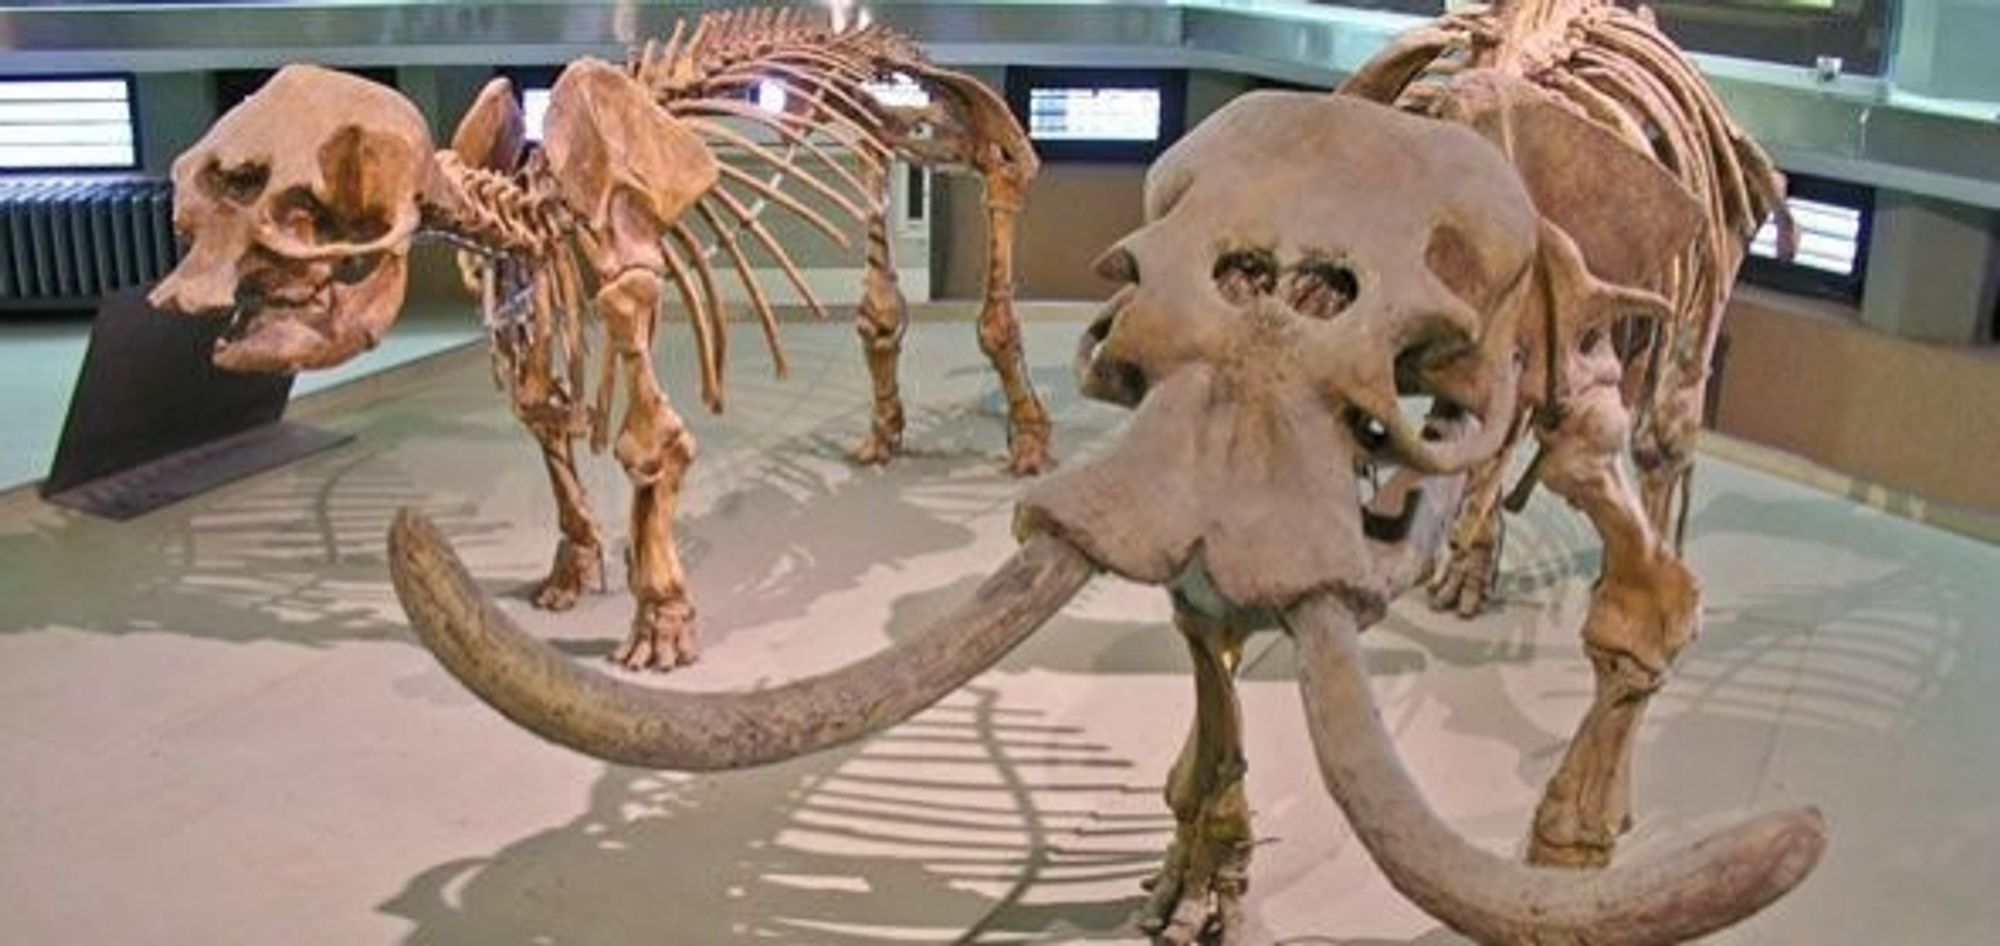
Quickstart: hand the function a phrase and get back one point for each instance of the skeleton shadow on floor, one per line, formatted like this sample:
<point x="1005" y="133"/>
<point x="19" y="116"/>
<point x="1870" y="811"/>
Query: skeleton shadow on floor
<point x="295" y="556"/>
<point x="976" y="820"/>
<point x="1908" y="617"/>
<point x="763" y="542"/>
<point x="298" y="555"/>
<point x="1899" y="624"/>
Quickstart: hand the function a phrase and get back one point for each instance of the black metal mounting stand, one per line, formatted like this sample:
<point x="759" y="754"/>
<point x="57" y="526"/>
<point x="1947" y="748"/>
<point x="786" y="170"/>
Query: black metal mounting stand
<point x="152" y="421"/>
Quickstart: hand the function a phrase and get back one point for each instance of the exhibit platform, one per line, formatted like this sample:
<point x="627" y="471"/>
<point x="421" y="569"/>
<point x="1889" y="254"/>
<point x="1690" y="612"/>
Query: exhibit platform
<point x="215" y="726"/>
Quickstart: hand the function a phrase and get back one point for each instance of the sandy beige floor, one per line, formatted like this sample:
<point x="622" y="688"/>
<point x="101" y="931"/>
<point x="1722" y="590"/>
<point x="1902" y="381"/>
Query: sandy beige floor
<point x="214" y="728"/>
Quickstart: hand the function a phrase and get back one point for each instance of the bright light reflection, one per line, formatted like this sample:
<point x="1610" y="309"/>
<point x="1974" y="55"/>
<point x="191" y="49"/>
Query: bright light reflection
<point x="1829" y="236"/>
<point x="771" y="95"/>
<point x="59" y="124"/>
<point x="840" y="13"/>
<point x="899" y="91"/>
<point x="534" y="111"/>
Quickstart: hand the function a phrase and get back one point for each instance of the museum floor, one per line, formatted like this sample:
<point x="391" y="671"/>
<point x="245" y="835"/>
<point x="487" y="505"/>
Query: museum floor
<point x="215" y="728"/>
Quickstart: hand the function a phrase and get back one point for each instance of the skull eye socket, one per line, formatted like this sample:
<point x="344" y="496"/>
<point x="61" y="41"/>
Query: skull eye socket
<point x="1321" y="287"/>
<point x="300" y="213"/>
<point x="1442" y="364"/>
<point x="1245" y="273"/>
<point x="241" y="184"/>
<point x="1117" y="265"/>
<point x="1432" y="359"/>
<point x="354" y="269"/>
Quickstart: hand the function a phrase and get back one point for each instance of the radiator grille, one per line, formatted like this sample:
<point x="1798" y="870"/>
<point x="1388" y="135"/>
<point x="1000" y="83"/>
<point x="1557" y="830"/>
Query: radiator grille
<point x="71" y="241"/>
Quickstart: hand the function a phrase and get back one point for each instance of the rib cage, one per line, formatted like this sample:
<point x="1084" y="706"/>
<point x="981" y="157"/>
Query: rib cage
<point x="701" y="76"/>
<point x="531" y="286"/>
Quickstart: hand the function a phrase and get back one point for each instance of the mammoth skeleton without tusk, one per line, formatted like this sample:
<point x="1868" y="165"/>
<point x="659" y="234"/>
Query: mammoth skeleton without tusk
<point x="300" y="207"/>
<point x="1306" y="261"/>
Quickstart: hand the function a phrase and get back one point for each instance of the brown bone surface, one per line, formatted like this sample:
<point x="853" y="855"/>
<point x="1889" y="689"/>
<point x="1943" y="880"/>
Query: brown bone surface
<point x="300" y="206"/>
<point x="1613" y="68"/>
<point x="1306" y="262"/>
<point x="1648" y="195"/>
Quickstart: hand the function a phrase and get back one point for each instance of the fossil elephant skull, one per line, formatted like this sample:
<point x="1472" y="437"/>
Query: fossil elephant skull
<point x="1306" y="262"/>
<point x="298" y="208"/>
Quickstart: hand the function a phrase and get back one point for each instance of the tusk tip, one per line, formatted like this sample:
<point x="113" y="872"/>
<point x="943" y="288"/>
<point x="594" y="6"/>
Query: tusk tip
<point x="1793" y="842"/>
<point x="1762" y="859"/>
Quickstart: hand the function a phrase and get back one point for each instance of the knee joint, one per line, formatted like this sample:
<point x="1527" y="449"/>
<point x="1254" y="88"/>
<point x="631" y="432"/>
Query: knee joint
<point x="1627" y="673"/>
<point x="647" y="459"/>
<point x="998" y="335"/>
<point x="877" y="337"/>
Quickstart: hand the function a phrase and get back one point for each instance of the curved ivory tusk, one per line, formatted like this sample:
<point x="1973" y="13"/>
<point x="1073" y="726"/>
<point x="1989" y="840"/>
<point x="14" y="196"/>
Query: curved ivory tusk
<point x="550" y="694"/>
<point x="1668" y="898"/>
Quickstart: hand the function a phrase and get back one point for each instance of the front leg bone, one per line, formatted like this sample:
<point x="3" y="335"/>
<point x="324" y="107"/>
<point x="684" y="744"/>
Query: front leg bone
<point x="1197" y="896"/>
<point x="1663" y="451"/>
<point x="1644" y="610"/>
<point x="579" y="559"/>
<point x="655" y="448"/>
<point x="543" y="403"/>
<point x="1465" y="581"/>
<point x="1028" y="426"/>
<point x="881" y="320"/>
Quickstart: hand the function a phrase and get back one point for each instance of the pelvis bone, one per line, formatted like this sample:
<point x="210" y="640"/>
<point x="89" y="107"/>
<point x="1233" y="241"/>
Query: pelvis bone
<point x="1306" y="262"/>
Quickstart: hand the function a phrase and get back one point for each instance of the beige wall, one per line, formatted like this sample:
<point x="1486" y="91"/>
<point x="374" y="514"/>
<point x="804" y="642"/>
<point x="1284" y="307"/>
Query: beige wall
<point x="1074" y="211"/>
<point x="1917" y="417"/>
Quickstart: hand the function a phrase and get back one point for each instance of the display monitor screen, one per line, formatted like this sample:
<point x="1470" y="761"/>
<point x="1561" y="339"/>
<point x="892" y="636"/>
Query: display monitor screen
<point x="899" y="91"/>
<point x="1094" y="114"/>
<point x="1832" y="221"/>
<point x="1099" y="114"/>
<point x="64" y="124"/>
<point x="1829" y="236"/>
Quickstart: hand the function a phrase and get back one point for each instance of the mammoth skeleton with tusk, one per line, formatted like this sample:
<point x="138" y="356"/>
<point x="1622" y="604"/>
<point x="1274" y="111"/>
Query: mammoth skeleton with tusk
<point x="1306" y="264"/>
